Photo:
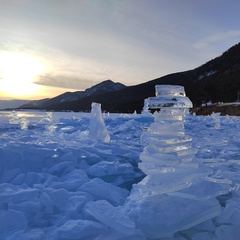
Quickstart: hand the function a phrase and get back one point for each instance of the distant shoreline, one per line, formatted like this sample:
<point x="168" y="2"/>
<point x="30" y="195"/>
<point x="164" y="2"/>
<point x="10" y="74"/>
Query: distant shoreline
<point x="231" y="109"/>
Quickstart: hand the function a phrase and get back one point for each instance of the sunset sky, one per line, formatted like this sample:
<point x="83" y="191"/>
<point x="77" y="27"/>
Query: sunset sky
<point x="48" y="47"/>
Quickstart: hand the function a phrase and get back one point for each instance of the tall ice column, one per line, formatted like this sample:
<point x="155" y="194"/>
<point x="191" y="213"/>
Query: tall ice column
<point x="174" y="195"/>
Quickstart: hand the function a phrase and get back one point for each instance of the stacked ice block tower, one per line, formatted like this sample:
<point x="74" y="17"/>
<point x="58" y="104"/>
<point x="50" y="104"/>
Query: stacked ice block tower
<point x="167" y="144"/>
<point x="176" y="193"/>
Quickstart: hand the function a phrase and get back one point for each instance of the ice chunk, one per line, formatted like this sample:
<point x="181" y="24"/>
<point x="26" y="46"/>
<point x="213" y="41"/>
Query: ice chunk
<point x="35" y="178"/>
<point x="170" y="181"/>
<point x="46" y="201"/>
<point x="169" y="101"/>
<point x="102" y="190"/>
<point x="59" y="168"/>
<point x="162" y="216"/>
<point x="71" y="181"/>
<point x="119" y="174"/>
<point x="32" y="210"/>
<point x="174" y="90"/>
<point x="97" y="128"/>
<point x="80" y="229"/>
<point x="9" y="175"/>
<point x="104" y="168"/>
<point x="59" y="196"/>
<point x="75" y="204"/>
<point x="11" y="222"/>
<point x="32" y="158"/>
<point x="203" y="190"/>
<point x="111" y="216"/>
<point x="12" y="193"/>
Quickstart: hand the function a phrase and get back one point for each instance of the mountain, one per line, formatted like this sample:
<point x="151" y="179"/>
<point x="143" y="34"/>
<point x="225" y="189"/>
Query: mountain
<point x="217" y="81"/>
<point x="100" y="88"/>
<point x="5" y="104"/>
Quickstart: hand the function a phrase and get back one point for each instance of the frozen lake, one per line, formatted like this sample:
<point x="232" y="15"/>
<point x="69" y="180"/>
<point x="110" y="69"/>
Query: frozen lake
<point x="51" y="173"/>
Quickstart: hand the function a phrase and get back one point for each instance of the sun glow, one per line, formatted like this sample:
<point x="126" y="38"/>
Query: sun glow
<point x="17" y="75"/>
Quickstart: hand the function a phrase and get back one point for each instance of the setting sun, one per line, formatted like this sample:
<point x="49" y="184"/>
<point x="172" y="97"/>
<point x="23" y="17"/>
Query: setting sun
<point x="17" y="75"/>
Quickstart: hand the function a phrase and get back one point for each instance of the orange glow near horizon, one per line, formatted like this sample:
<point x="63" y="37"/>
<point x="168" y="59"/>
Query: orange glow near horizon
<point x="17" y="75"/>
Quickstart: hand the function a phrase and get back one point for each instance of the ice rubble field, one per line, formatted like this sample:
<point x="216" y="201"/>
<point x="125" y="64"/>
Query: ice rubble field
<point x="52" y="174"/>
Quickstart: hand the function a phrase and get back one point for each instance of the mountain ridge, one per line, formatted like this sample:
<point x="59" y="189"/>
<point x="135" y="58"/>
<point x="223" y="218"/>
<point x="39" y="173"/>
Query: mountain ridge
<point x="218" y="80"/>
<point x="103" y="87"/>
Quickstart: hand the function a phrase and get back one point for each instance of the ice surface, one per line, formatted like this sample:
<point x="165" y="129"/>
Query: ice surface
<point x="39" y="166"/>
<point x="97" y="128"/>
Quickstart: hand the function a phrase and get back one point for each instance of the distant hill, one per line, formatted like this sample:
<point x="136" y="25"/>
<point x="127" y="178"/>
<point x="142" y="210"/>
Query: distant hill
<point x="100" y="88"/>
<point x="5" y="104"/>
<point x="217" y="81"/>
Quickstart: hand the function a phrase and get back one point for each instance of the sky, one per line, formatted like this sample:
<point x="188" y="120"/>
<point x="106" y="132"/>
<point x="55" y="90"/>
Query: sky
<point x="48" y="47"/>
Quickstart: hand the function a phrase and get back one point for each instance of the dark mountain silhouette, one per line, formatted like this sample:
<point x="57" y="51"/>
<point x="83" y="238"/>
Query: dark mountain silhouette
<point x="217" y="80"/>
<point x="100" y="88"/>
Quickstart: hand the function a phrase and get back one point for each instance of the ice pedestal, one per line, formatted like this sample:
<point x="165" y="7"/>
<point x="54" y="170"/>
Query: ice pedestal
<point x="174" y="195"/>
<point x="97" y="129"/>
<point x="162" y="215"/>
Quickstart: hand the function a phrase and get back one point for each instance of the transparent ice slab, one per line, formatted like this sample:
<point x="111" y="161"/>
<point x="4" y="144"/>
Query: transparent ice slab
<point x="113" y="217"/>
<point x="162" y="216"/>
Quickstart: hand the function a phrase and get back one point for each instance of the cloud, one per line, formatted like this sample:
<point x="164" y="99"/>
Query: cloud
<point x="64" y="81"/>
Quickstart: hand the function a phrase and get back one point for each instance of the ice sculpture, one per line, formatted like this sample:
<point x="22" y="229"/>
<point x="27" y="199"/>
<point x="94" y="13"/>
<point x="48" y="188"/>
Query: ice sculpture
<point x="97" y="129"/>
<point x="169" y="193"/>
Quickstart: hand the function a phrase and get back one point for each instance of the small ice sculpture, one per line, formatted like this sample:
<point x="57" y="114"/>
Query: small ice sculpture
<point x="97" y="129"/>
<point x="169" y="193"/>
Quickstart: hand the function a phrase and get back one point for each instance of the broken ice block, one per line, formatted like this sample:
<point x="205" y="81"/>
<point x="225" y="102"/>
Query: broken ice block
<point x="11" y="222"/>
<point x="161" y="215"/>
<point x="12" y="193"/>
<point x="104" y="212"/>
<point x="173" y="90"/>
<point x="168" y="96"/>
<point x="102" y="190"/>
<point x="97" y="128"/>
<point x="80" y="229"/>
